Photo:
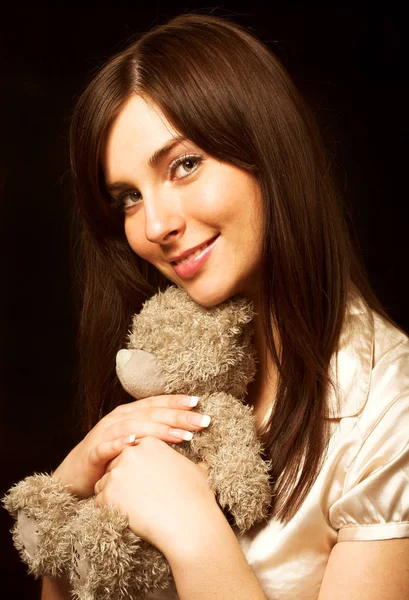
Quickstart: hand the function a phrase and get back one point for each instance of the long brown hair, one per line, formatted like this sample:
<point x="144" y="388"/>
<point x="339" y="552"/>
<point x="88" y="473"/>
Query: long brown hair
<point x="223" y="89"/>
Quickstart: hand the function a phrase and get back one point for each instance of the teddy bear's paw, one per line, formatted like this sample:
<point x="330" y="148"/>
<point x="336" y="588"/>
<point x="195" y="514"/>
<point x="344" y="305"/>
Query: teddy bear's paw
<point x="108" y="561"/>
<point x="41" y="506"/>
<point x="238" y="474"/>
<point x="247" y="505"/>
<point x="241" y="481"/>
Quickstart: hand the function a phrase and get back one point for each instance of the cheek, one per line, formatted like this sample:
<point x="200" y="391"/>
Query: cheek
<point x="134" y="233"/>
<point x="215" y="203"/>
<point x="234" y="199"/>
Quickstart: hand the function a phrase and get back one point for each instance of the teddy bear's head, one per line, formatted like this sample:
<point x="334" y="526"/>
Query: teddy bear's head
<point x="184" y="348"/>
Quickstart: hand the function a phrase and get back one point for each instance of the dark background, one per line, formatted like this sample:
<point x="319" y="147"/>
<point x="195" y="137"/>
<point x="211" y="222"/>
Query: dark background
<point x="350" y="64"/>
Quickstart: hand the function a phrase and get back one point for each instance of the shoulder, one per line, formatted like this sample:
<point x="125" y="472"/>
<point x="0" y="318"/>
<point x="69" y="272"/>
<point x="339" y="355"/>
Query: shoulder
<point x="385" y="414"/>
<point x="372" y="445"/>
<point x="391" y="345"/>
<point x="370" y="371"/>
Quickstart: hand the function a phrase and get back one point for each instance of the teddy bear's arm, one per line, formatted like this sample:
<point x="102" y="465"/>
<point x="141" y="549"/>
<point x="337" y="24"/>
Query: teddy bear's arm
<point x="237" y="473"/>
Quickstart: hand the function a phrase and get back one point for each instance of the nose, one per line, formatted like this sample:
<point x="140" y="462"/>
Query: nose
<point x="164" y="221"/>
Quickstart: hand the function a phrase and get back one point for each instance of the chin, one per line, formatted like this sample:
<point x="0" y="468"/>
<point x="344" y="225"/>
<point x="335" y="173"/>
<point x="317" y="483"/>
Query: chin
<point x="207" y="296"/>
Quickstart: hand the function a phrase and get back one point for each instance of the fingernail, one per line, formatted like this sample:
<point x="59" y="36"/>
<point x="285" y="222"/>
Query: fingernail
<point x="181" y="434"/>
<point x="201" y="420"/>
<point x="122" y="357"/>
<point x="190" y="401"/>
<point x="130" y="439"/>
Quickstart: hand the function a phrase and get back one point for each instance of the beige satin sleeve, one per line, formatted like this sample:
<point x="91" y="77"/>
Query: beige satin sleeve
<point x="374" y="504"/>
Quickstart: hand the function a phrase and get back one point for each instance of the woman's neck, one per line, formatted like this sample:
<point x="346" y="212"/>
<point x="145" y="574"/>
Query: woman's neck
<point x="262" y="391"/>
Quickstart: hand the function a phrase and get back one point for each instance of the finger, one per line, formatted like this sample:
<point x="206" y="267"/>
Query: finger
<point x="161" y="423"/>
<point x="112" y="463"/>
<point x="180" y="401"/>
<point x="128" y="428"/>
<point x="100" y="484"/>
<point x="107" y="450"/>
<point x="190" y="420"/>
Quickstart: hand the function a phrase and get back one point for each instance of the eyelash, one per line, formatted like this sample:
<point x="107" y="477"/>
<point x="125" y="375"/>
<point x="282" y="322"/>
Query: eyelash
<point x="181" y="159"/>
<point x="117" y="204"/>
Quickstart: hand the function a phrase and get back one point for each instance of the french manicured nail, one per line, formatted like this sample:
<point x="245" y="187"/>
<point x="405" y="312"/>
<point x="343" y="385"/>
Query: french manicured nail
<point x="181" y="434"/>
<point x="200" y="420"/>
<point x="190" y="401"/>
<point x="130" y="439"/>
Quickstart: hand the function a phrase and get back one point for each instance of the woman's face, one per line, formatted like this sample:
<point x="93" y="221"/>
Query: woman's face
<point x="196" y="219"/>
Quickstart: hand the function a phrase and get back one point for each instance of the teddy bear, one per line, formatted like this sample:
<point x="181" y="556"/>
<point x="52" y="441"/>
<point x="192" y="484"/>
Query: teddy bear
<point x="177" y="347"/>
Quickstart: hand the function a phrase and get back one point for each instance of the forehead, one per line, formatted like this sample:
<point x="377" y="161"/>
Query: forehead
<point x="139" y="130"/>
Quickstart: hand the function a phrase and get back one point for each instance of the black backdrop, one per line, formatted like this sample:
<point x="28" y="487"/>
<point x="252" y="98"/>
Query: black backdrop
<point x="349" y="63"/>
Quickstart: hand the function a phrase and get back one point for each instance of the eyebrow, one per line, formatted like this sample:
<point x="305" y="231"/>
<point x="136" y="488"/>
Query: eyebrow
<point x="153" y="161"/>
<point x="166" y="148"/>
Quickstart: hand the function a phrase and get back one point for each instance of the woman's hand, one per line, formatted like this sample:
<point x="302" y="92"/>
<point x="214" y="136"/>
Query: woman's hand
<point x="168" y="418"/>
<point x="164" y="495"/>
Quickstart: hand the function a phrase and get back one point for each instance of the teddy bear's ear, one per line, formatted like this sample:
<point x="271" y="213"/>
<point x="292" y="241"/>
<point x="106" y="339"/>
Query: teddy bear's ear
<point x="140" y="373"/>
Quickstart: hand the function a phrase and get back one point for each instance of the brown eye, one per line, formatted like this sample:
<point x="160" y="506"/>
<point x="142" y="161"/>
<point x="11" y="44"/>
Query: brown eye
<point x="189" y="164"/>
<point x="184" y="165"/>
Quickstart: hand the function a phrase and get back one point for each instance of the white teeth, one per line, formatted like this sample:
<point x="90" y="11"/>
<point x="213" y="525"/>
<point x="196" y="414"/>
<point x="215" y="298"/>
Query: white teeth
<point x="195" y="253"/>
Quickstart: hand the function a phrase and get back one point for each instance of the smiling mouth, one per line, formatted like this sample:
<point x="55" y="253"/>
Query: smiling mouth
<point x="195" y="253"/>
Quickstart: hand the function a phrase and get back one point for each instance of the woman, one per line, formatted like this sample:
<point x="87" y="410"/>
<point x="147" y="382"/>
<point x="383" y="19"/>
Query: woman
<point x="196" y="162"/>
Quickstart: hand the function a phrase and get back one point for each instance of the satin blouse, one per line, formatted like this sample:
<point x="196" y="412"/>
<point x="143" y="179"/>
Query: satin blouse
<point x="362" y="490"/>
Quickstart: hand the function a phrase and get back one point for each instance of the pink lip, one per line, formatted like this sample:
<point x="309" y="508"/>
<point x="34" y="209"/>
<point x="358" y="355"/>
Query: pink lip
<point x="187" y="252"/>
<point x="191" y="266"/>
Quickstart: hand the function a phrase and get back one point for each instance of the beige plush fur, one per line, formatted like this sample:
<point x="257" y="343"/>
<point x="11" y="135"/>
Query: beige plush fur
<point x="42" y="507"/>
<point x="179" y="347"/>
